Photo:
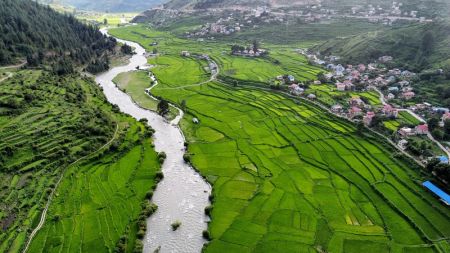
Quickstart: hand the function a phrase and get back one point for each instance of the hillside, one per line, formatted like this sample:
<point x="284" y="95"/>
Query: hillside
<point x="28" y="29"/>
<point x="205" y="4"/>
<point x="109" y="5"/>
<point x="416" y="47"/>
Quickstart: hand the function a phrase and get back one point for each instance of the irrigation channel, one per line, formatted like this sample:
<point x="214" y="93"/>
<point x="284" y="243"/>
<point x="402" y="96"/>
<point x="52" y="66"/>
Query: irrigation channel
<point x="183" y="194"/>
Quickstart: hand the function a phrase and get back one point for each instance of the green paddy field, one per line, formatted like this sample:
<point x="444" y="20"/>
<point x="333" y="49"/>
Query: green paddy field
<point x="286" y="175"/>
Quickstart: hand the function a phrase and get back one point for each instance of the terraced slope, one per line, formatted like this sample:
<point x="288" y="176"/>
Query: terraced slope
<point x="288" y="177"/>
<point x="46" y="123"/>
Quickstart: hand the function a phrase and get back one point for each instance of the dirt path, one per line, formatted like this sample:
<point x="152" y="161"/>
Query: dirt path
<point x="6" y="77"/>
<point x="44" y="212"/>
<point x="14" y="66"/>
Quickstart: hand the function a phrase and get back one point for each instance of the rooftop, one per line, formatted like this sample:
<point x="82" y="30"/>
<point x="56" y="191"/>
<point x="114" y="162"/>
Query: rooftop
<point x="436" y="190"/>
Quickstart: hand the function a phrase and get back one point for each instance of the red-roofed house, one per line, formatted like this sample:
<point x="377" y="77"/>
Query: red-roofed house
<point x="409" y="95"/>
<point x="361" y="67"/>
<point x="340" y="86"/>
<point x="368" y="118"/>
<point x="446" y="116"/>
<point x="390" y="111"/>
<point x="354" y="111"/>
<point x="422" y="129"/>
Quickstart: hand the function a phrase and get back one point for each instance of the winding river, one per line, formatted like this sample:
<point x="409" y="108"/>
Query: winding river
<point x="183" y="194"/>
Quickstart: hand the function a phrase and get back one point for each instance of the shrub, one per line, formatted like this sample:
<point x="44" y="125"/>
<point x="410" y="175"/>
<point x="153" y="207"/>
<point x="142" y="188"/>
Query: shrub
<point x="149" y="195"/>
<point x="176" y="225"/>
<point x="138" y="246"/>
<point x="206" y="235"/>
<point x="159" y="176"/>
<point x="187" y="158"/>
<point x="208" y="210"/>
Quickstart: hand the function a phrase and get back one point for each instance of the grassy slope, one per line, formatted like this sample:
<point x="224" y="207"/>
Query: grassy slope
<point x="54" y="122"/>
<point x="288" y="177"/>
<point x="403" y="43"/>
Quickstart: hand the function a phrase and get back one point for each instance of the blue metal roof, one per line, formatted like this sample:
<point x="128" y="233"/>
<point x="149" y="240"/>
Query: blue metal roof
<point x="443" y="159"/>
<point x="436" y="190"/>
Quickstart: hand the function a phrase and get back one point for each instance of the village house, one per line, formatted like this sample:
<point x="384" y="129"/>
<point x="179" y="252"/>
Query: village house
<point x="445" y="116"/>
<point x="393" y="89"/>
<point x="390" y="96"/>
<point x="337" y="108"/>
<point x="291" y="78"/>
<point x="403" y="83"/>
<point x="422" y="129"/>
<point x="354" y="111"/>
<point x="385" y="59"/>
<point x="408" y="95"/>
<point x="368" y="118"/>
<point x="390" y="111"/>
<point x="340" y="86"/>
<point x="440" y="110"/>
<point x="317" y="82"/>
<point x="185" y="53"/>
<point x="356" y="101"/>
<point x="406" y="131"/>
<point x="312" y="96"/>
<point x="394" y="72"/>
<point x="361" y="67"/>
<point x="403" y="144"/>
<point x="295" y="89"/>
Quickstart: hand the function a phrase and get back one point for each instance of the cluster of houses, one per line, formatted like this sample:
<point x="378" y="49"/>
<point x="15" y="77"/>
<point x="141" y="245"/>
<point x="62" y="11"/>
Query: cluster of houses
<point x="249" y="51"/>
<point x="397" y="83"/>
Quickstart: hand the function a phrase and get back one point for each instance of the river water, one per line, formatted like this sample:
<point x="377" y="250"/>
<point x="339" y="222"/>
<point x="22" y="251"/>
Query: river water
<point x="183" y="194"/>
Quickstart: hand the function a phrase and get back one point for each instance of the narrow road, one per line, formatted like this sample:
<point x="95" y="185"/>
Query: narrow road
<point x="6" y="77"/>
<point x="44" y="212"/>
<point x="14" y="66"/>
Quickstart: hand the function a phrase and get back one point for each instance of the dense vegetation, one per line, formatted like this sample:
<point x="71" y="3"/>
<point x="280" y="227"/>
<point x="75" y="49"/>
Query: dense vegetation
<point x="30" y="30"/>
<point x="108" y="5"/>
<point x="287" y="176"/>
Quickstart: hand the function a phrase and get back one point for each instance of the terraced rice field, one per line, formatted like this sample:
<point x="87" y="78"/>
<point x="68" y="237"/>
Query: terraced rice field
<point x="289" y="177"/>
<point x="328" y="95"/>
<point x="99" y="201"/>
<point x="46" y="122"/>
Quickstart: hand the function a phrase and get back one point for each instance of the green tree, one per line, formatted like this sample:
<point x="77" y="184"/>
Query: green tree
<point x="163" y="107"/>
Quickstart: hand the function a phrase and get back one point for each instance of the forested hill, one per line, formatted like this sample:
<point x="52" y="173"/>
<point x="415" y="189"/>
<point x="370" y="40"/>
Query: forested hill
<point x="33" y="30"/>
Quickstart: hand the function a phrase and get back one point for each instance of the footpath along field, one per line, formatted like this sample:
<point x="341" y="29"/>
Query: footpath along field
<point x="289" y="177"/>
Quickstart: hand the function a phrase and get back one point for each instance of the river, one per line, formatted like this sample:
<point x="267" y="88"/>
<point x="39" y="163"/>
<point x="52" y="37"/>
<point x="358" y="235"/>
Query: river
<point x="183" y="194"/>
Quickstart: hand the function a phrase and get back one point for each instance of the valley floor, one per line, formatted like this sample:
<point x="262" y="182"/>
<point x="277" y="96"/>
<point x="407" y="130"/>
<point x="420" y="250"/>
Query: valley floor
<point x="288" y="176"/>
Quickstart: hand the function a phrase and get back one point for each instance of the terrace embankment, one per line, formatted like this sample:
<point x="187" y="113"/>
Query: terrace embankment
<point x="182" y="194"/>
